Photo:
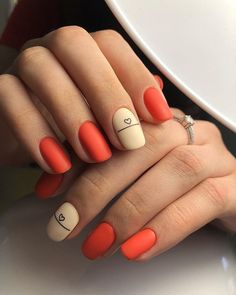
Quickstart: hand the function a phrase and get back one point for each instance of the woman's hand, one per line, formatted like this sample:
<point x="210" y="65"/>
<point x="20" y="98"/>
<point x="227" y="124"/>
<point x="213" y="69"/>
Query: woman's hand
<point x="173" y="190"/>
<point x="74" y="85"/>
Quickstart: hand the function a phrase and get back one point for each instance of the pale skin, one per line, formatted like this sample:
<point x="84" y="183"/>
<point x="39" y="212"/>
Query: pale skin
<point x="168" y="186"/>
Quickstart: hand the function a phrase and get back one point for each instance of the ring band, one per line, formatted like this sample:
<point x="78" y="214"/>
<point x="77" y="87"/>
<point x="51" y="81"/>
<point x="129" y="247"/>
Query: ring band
<point x="187" y="122"/>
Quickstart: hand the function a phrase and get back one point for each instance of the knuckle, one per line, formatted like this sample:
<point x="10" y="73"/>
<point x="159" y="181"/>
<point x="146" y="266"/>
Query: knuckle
<point x="152" y="138"/>
<point x="30" y="56"/>
<point x="215" y="192"/>
<point x="180" y="215"/>
<point x="66" y="34"/>
<point x="6" y="81"/>
<point x="186" y="162"/>
<point x="95" y="183"/>
<point x="134" y="204"/>
<point x="107" y="34"/>
<point x="130" y="209"/>
<point x="213" y="129"/>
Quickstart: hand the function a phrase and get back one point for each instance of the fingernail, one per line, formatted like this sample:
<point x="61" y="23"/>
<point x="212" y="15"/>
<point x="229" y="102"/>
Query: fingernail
<point x="63" y="221"/>
<point x="94" y="142"/>
<point x="138" y="244"/>
<point x="48" y="184"/>
<point x="99" y="241"/>
<point x="156" y="104"/>
<point x="128" y="129"/>
<point x="54" y="155"/>
<point x="159" y="81"/>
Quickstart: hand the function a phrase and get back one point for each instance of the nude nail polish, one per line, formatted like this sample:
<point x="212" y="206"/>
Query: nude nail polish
<point x="54" y="155"/>
<point x="156" y="104"/>
<point x="128" y="129"/>
<point x="99" y="241"/>
<point x="138" y="244"/>
<point x="94" y="142"/>
<point x="48" y="184"/>
<point x="62" y="223"/>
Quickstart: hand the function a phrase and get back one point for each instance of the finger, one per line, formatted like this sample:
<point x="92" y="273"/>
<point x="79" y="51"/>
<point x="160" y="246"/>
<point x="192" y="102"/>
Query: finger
<point x="51" y="185"/>
<point x="29" y="126"/>
<point x="138" y="81"/>
<point x="209" y="200"/>
<point x="109" y="178"/>
<point x="112" y="106"/>
<point x="124" y="172"/>
<point x="55" y="89"/>
<point x="174" y="175"/>
<point x="37" y="42"/>
<point x="153" y="147"/>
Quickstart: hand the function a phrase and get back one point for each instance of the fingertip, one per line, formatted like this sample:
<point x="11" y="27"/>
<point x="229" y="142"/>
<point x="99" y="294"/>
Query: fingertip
<point x="157" y="105"/>
<point x="54" y="155"/>
<point x="47" y="185"/>
<point x="93" y="142"/>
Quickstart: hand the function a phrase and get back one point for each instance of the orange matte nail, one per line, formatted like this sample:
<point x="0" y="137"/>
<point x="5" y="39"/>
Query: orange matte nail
<point x="99" y="241"/>
<point x="48" y="184"/>
<point x="54" y="155"/>
<point x="94" y="142"/>
<point x="156" y="104"/>
<point x="138" y="244"/>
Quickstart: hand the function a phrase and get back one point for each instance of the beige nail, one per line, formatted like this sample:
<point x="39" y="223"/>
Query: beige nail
<point x="63" y="221"/>
<point x="128" y="129"/>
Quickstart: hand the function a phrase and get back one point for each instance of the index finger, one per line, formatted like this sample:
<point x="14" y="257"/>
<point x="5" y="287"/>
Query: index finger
<point x="143" y="88"/>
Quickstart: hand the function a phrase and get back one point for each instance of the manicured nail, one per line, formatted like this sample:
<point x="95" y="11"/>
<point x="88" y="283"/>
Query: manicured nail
<point x="48" y="184"/>
<point x="138" y="244"/>
<point x="99" y="241"/>
<point x="63" y="221"/>
<point x="94" y="142"/>
<point x="156" y="104"/>
<point x="128" y="129"/>
<point x="54" y="155"/>
<point x="159" y="81"/>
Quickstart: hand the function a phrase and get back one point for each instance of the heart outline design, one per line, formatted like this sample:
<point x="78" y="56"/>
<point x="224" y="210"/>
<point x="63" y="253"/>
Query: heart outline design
<point x="61" y="217"/>
<point x="128" y="121"/>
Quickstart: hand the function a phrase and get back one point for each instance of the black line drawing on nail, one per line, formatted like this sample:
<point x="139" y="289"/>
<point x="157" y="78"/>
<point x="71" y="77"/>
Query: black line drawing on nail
<point x="128" y="121"/>
<point x="127" y="127"/>
<point x="59" y="219"/>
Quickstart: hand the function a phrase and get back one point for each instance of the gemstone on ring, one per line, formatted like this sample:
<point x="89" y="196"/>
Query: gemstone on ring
<point x="187" y="121"/>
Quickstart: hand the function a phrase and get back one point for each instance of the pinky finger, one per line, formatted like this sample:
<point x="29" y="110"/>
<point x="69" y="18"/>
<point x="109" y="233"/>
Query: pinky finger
<point x="207" y="201"/>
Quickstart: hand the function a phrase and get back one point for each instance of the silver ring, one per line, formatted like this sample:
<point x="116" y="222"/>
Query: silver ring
<point x="187" y="122"/>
